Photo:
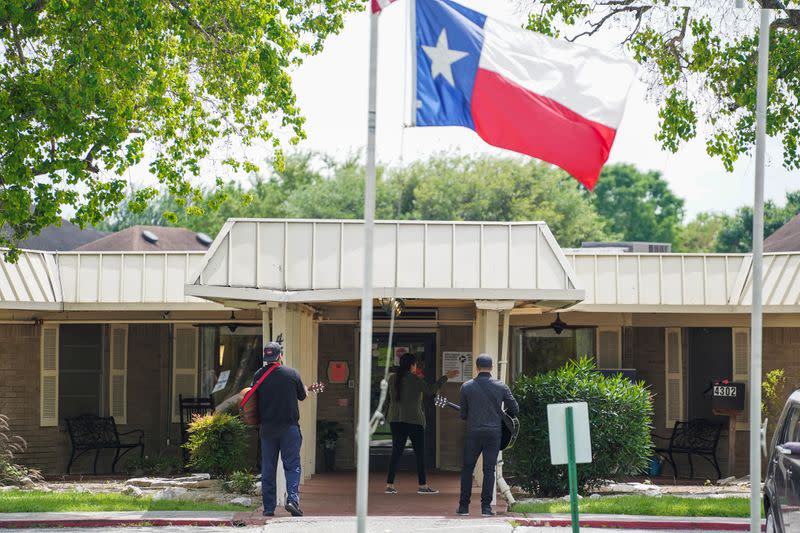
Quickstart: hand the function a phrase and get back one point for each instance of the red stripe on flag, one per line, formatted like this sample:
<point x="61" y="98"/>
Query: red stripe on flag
<point x="508" y="116"/>
<point x="377" y="7"/>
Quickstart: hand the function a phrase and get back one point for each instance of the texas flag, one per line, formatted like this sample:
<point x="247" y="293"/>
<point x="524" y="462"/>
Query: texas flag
<point x="519" y="90"/>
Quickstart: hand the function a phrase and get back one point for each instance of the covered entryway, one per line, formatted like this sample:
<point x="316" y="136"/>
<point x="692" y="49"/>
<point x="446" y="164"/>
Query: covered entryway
<point x="306" y="278"/>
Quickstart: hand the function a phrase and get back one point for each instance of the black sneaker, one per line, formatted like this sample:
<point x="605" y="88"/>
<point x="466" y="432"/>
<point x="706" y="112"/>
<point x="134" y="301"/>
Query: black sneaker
<point x="293" y="509"/>
<point x="427" y="490"/>
<point x="462" y="510"/>
<point x="268" y="513"/>
<point x="487" y="511"/>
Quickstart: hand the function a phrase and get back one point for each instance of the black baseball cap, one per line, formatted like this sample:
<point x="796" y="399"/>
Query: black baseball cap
<point x="272" y="352"/>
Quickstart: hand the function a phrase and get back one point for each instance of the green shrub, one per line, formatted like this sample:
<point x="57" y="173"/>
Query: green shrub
<point x="217" y="444"/>
<point x="241" y="482"/>
<point x="12" y="445"/>
<point x="620" y="416"/>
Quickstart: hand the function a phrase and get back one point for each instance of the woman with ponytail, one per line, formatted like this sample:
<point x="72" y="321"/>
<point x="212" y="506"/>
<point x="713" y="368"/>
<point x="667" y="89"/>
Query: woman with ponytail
<point x="407" y="419"/>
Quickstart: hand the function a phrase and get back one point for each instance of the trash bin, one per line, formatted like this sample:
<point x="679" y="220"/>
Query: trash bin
<point x="655" y="466"/>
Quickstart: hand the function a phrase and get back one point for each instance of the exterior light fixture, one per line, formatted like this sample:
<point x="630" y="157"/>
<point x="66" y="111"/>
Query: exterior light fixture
<point x="232" y="326"/>
<point x="558" y="325"/>
<point x="392" y="306"/>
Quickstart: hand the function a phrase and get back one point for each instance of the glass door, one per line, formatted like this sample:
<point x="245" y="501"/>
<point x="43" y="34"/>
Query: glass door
<point x="423" y="346"/>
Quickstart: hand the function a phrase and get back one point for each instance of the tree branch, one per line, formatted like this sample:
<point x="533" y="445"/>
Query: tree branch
<point x="18" y="44"/>
<point x="623" y="8"/>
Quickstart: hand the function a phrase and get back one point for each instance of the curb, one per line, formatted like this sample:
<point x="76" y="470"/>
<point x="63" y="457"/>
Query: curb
<point x="640" y="523"/>
<point x="114" y="522"/>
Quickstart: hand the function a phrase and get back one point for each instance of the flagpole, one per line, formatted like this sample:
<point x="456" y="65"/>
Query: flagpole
<point x="758" y="256"/>
<point x="365" y="359"/>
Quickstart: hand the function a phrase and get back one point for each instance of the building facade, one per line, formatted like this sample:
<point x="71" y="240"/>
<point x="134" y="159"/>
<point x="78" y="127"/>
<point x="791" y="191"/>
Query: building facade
<point x="125" y="333"/>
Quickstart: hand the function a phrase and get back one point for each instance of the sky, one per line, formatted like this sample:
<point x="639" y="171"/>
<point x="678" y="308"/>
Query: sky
<point x="332" y="94"/>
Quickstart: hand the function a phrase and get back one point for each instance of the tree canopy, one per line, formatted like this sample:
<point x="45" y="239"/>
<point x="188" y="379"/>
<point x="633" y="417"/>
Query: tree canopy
<point x="699" y="60"/>
<point x="639" y="205"/>
<point x="443" y="187"/>
<point x="86" y="86"/>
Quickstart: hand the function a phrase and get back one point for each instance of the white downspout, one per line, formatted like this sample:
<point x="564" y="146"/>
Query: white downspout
<point x="505" y="490"/>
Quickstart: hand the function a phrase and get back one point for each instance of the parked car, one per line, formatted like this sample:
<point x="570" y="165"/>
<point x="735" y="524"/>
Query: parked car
<point x="782" y="484"/>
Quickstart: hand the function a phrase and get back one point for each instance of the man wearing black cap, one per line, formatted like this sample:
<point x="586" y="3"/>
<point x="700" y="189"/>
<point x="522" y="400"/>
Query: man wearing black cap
<point x="481" y="401"/>
<point x="280" y="428"/>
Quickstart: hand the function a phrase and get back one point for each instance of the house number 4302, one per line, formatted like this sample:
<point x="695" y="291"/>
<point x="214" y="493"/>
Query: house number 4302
<point x="725" y="391"/>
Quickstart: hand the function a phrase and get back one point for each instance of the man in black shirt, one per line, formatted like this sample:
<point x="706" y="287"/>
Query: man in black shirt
<point x="481" y="400"/>
<point x="280" y="428"/>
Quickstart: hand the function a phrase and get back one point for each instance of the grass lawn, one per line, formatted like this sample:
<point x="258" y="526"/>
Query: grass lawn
<point x="647" y="506"/>
<point x="18" y="501"/>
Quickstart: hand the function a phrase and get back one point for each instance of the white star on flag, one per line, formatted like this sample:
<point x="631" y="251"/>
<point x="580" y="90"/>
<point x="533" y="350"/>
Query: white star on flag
<point x="442" y="58"/>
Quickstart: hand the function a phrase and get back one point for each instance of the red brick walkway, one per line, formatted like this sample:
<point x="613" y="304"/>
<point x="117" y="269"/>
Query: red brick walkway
<point x="334" y="494"/>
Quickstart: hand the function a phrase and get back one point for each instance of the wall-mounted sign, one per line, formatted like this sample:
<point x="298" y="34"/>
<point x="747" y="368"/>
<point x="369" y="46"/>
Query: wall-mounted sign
<point x="222" y="381"/>
<point x="461" y="361"/>
<point x="338" y="372"/>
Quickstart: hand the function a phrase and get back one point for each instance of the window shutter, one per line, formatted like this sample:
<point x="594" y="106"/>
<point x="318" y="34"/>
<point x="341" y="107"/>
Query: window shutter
<point x="184" y="366"/>
<point x="674" y="373"/>
<point x="48" y="385"/>
<point x="609" y="348"/>
<point x="741" y="367"/>
<point x="118" y="374"/>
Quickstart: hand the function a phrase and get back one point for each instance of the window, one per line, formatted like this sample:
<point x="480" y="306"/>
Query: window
<point x="237" y="353"/>
<point x="791" y="427"/>
<point x="80" y="366"/>
<point x="539" y="350"/>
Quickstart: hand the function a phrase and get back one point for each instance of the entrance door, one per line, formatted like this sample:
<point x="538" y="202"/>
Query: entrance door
<point x="709" y="360"/>
<point x="423" y="346"/>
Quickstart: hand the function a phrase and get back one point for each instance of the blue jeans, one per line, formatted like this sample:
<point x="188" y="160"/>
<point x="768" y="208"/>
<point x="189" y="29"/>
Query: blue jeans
<point x="475" y="444"/>
<point x="287" y="442"/>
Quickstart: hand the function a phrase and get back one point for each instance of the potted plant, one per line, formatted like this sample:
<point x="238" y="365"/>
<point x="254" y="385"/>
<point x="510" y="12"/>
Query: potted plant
<point x="327" y="434"/>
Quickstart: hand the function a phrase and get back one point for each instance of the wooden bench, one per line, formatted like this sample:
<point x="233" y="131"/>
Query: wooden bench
<point x="696" y="437"/>
<point x="91" y="432"/>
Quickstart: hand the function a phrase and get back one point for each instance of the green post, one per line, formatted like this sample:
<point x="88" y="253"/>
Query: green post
<point x="573" y="471"/>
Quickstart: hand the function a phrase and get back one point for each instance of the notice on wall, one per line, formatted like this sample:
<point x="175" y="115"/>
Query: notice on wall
<point x="399" y="351"/>
<point x="461" y="361"/>
<point x="222" y="381"/>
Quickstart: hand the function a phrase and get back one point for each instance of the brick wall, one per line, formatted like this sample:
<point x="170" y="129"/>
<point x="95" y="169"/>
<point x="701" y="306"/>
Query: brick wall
<point x="19" y="396"/>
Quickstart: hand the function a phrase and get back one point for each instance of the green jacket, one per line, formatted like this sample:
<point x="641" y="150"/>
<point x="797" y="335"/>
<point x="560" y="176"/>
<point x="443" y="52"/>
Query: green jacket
<point x="408" y="408"/>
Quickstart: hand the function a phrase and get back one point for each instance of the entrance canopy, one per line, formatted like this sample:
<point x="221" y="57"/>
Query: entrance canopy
<point x="254" y="261"/>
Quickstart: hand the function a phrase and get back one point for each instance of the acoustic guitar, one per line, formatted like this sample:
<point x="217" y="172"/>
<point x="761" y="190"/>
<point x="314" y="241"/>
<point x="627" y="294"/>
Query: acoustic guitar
<point x="249" y="410"/>
<point x="509" y="429"/>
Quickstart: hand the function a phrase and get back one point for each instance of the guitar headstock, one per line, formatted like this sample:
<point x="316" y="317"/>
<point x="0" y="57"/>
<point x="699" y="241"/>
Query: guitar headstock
<point x="440" y="401"/>
<point x="317" y="387"/>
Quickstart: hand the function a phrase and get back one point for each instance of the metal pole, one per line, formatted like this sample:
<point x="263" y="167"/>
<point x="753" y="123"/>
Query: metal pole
<point x="758" y="253"/>
<point x="572" y="469"/>
<point x="365" y="360"/>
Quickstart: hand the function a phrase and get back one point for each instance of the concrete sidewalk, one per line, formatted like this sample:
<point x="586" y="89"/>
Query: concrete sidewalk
<point x="387" y="524"/>
<point x="124" y="518"/>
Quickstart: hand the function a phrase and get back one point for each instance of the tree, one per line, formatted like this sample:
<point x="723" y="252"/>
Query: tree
<point x="439" y="188"/>
<point x="701" y="234"/>
<point x="86" y="86"/>
<point x="639" y="205"/>
<point x="263" y="196"/>
<point x="699" y="61"/>
<point x="736" y="234"/>
<point x="490" y="188"/>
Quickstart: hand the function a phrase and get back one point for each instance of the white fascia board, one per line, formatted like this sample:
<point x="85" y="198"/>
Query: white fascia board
<point x="32" y="306"/>
<point x="333" y="295"/>
<point x="559" y="253"/>
<point x="212" y="250"/>
<point x="140" y="306"/>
